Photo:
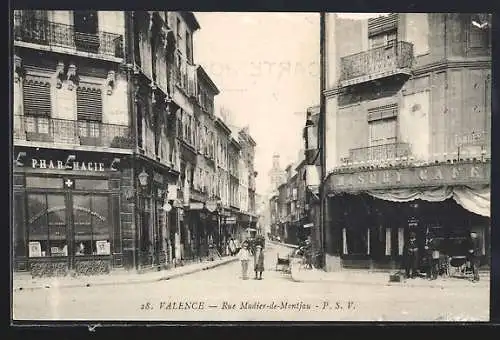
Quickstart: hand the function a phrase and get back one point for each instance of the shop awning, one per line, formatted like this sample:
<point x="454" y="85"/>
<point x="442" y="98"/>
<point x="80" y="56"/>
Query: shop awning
<point x="474" y="199"/>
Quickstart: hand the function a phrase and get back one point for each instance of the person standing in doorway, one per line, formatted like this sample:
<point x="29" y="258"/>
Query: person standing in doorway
<point x="474" y="255"/>
<point x="411" y="254"/>
<point x="258" y="262"/>
<point x="432" y="254"/>
<point x="244" y="256"/>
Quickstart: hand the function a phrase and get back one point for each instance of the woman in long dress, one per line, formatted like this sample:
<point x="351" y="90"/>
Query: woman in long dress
<point x="258" y="262"/>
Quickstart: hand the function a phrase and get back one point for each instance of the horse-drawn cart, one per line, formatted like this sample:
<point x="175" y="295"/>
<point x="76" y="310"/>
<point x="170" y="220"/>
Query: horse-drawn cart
<point x="283" y="263"/>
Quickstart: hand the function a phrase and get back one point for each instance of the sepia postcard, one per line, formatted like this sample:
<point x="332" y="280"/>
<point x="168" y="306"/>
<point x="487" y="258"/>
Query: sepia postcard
<point x="216" y="166"/>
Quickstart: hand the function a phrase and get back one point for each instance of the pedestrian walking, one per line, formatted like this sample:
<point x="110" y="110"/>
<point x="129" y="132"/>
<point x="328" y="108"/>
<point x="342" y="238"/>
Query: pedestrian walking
<point x="244" y="256"/>
<point x="232" y="246"/>
<point x="258" y="262"/>
<point x="237" y="244"/>
<point x="411" y="256"/>
<point x="474" y="255"/>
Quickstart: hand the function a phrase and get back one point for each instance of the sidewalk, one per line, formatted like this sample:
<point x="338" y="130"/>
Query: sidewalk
<point x="360" y="277"/>
<point x="25" y="281"/>
<point x="282" y="244"/>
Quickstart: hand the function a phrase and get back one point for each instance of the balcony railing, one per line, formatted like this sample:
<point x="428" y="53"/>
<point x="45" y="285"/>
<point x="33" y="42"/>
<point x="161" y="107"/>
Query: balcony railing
<point x="44" y="32"/>
<point x="379" y="153"/>
<point x="73" y="132"/>
<point x="377" y="62"/>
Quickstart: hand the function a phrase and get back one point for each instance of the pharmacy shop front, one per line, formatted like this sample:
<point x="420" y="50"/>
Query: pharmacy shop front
<point x="66" y="208"/>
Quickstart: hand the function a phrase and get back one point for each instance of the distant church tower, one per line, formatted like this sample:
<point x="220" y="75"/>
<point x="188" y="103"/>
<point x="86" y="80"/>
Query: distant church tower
<point x="276" y="174"/>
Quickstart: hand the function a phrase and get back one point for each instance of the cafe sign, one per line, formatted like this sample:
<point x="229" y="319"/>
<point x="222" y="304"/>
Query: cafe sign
<point x="431" y="175"/>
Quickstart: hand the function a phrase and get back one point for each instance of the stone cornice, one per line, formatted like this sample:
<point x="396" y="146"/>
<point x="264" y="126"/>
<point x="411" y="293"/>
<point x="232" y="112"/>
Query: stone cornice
<point x="428" y="68"/>
<point x="450" y="64"/>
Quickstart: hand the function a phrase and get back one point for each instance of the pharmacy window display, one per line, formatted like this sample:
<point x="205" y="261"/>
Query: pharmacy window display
<point x="91" y="226"/>
<point x="47" y="225"/>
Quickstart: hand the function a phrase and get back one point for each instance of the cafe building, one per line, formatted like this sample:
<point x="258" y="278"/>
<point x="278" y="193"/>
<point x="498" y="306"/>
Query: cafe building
<point x="67" y="215"/>
<point x="372" y="211"/>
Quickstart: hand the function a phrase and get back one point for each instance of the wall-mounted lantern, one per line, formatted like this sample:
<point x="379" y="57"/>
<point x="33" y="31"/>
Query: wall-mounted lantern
<point x="143" y="178"/>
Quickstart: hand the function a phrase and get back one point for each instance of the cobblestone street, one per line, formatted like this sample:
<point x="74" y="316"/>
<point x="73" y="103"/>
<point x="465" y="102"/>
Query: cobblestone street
<point x="220" y="294"/>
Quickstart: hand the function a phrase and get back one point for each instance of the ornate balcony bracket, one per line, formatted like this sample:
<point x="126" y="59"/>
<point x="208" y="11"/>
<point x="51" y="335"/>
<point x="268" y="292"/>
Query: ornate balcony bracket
<point x="72" y="77"/>
<point x="153" y="87"/>
<point x="19" y="71"/>
<point x="60" y="77"/>
<point x="111" y="82"/>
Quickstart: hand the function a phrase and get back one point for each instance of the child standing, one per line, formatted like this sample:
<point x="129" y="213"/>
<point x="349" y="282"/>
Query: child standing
<point x="244" y="256"/>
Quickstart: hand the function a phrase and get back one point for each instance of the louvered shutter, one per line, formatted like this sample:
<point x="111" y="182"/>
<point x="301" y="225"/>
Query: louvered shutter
<point x="36" y="98"/>
<point x="89" y="103"/>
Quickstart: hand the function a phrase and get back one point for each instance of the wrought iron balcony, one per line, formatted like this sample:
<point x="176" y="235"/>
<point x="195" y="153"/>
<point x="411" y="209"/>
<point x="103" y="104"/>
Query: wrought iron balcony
<point x="73" y="132"/>
<point x="44" y="32"/>
<point x="379" y="62"/>
<point x="379" y="154"/>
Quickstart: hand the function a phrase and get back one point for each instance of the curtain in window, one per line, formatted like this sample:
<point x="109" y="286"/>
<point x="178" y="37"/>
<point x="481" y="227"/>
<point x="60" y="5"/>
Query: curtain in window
<point x="382" y="131"/>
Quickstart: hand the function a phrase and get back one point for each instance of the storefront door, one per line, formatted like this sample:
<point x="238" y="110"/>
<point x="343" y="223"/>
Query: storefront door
<point x="69" y="228"/>
<point x="91" y="229"/>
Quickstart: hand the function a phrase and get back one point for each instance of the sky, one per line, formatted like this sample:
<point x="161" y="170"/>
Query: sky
<point x="266" y="66"/>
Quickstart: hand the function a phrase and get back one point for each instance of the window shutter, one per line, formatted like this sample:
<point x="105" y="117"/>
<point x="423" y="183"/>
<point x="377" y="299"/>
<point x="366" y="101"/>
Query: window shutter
<point x="36" y="97"/>
<point x="89" y="103"/>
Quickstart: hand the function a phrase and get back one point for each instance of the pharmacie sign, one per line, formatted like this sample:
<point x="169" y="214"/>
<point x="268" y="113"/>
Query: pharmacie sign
<point x="436" y="174"/>
<point x="70" y="163"/>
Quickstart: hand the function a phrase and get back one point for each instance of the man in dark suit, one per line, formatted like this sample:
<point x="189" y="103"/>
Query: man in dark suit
<point x="475" y="255"/>
<point x="411" y="256"/>
<point x="432" y="255"/>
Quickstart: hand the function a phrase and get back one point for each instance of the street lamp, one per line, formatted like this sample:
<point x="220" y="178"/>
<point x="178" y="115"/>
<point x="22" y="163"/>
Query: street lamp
<point x="143" y="178"/>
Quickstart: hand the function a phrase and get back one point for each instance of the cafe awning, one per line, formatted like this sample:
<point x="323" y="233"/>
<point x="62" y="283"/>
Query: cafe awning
<point x="474" y="199"/>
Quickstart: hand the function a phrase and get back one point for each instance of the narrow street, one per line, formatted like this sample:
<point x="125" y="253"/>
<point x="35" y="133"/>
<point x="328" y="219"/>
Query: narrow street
<point x="220" y="294"/>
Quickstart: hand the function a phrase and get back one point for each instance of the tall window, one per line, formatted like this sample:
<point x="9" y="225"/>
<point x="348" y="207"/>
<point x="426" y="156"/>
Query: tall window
<point x="85" y="21"/>
<point x="47" y="225"/>
<point x="37" y="104"/>
<point x="180" y="128"/>
<point x="189" y="55"/>
<point x="89" y="110"/>
<point x="382" y="131"/>
<point x="37" y="21"/>
<point x="479" y="37"/>
<point x="386" y="38"/>
<point x="91" y="222"/>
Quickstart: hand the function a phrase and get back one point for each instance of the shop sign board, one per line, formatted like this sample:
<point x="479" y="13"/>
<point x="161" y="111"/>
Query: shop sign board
<point x="230" y="220"/>
<point x="431" y="175"/>
<point x="172" y="192"/>
<point x="71" y="162"/>
<point x="195" y="206"/>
